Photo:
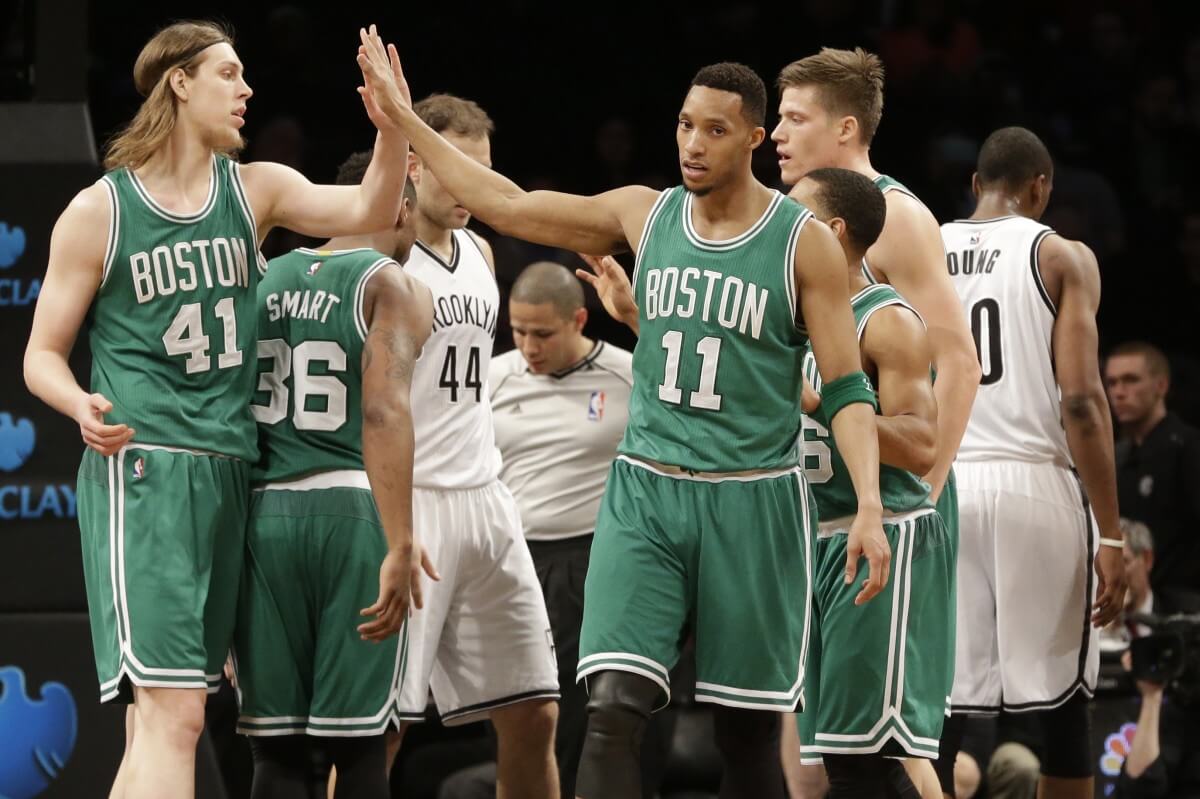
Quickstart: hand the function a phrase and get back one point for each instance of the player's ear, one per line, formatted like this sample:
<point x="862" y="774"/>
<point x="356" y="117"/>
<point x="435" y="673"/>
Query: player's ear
<point x="847" y="129"/>
<point x="178" y="82"/>
<point x="976" y="186"/>
<point x="581" y="317"/>
<point x="757" y="136"/>
<point x="414" y="168"/>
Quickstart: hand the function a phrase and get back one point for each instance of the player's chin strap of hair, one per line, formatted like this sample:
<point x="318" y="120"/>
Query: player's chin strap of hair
<point x="1112" y="542"/>
<point x="847" y="390"/>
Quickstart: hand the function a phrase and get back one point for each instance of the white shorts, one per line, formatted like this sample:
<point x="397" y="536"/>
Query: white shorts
<point x="1026" y="583"/>
<point x="483" y="639"/>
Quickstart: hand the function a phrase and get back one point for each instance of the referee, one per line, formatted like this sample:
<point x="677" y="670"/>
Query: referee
<point x="560" y="402"/>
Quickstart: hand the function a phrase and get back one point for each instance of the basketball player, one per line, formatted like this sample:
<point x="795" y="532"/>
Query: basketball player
<point x="730" y="279"/>
<point x="483" y="640"/>
<point x="830" y="106"/>
<point x="340" y="330"/>
<point x="161" y="252"/>
<point x="1028" y="525"/>
<point x="854" y="649"/>
<point x="889" y="654"/>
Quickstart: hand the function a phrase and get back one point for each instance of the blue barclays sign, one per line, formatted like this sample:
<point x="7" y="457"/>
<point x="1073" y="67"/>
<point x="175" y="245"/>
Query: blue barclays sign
<point x="39" y="734"/>
<point x="15" y="291"/>
<point x="28" y="500"/>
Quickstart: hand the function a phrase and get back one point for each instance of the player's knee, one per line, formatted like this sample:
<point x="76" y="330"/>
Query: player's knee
<point x="1067" y="753"/>
<point x="740" y="734"/>
<point x="619" y="705"/>
<point x="172" y="714"/>
<point x="531" y="722"/>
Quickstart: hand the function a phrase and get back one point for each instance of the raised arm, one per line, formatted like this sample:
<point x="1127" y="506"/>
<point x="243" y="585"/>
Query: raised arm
<point x="896" y="343"/>
<point x="606" y="223"/>
<point x="282" y="197"/>
<point x="399" y="310"/>
<point x="1073" y="281"/>
<point x="824" y="296"/>
<point x="911" y="254"/>
<point x="73" y="277"/>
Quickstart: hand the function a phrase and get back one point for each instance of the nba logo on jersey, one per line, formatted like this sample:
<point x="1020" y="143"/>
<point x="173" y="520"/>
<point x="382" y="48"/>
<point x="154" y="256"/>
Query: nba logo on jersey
<point x="139" y="469"/>
<point x="596" y="406"/>
<point x="312" y="269"/>
<point x="974" y="238"/>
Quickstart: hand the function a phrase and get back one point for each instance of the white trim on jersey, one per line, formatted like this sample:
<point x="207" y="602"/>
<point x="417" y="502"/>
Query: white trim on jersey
<point x="114" y="229"/>
<point x="338" y="478"/>
<point x="712" y="477"/>
<point x="360" y="295"/>
<point x="789" y="267"/>
<point x="724" y="245"/>
<point x="239" y="191"/>
<point x="646" y="228"/>
<point x="171" y="216"/>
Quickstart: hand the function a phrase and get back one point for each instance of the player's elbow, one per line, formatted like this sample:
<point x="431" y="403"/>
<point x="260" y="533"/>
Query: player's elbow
<point x="386" y="413"/>
<point x="1083" y="409"/>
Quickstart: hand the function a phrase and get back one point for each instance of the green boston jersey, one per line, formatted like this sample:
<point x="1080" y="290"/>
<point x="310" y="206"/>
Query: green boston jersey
<point x="173" y="322"/>
<point x="717" y="364"/>
<point x="311" y="330"/>
<point x="899" y="490"/>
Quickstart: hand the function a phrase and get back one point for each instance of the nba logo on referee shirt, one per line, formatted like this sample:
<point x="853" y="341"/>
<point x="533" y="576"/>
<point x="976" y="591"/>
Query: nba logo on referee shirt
<point x="139" y="469"/>
<point x="596" y="406"/>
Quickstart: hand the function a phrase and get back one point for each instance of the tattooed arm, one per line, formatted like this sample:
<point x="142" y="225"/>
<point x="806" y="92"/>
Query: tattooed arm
<point x="399" y="315"/>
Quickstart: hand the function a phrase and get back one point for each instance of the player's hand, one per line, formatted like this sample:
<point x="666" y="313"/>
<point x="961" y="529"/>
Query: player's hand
<point x="104" y="438"/>
<point x="230" y="673"/>
<point x="391" y="608"/>
<point x="810" y="400"/>
<point x="385" y="92"/>
<point x="866" y="539"/>
<point x="1110" y="591"/>
<point x="612" y="285"/>
<point x="421" y="562"/>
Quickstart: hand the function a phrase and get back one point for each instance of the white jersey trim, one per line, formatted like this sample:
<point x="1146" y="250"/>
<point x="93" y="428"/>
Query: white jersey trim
<point x="789" y="268"/>
<point x="646" y="229"/>
<point x="724" y="245"/>
<point x="360" y="295"/>
<point x="339" y="478"/>
<point x="171" y="216"/>
<point x="114" y="229"/>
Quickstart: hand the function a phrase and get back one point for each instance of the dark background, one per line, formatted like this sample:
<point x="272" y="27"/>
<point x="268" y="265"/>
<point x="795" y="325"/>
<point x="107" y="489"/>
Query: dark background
<point x="584" y="97"/>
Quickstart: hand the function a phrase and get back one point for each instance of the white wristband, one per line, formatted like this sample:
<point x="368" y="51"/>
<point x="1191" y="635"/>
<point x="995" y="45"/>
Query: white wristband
<point x="1112" y="542"/>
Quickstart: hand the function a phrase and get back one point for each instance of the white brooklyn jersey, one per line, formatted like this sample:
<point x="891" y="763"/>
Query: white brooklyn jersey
<point x="452" y="418"/>
<point x="993" y="265"/>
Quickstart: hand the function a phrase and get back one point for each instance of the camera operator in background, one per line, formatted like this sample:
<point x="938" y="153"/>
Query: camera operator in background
<point x="1164" y="656"/>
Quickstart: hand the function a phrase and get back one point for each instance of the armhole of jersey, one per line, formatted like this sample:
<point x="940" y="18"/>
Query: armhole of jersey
<point x="360" y="295"/>
<point x="867" y="273"/>
<point x="808" y="367"/>
<point x="650" y="219"/>
<point x="789" y="269"/>
<point x="475" y="242"/>
<point x="261" y="260"/>
<point x="1035" y="267"/>
<point x="239" y="190"/>
<point x="894" y="301"/>
<point x="114" y="229"/>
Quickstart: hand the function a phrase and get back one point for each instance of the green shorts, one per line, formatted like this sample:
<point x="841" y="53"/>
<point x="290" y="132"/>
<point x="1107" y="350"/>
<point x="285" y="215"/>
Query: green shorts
<point x="727" y="557"/>
<point x="162" y="534"/>
<point x="878" y="672"/>
<point x="947" y="508"/>
<point x="312" y="563"/>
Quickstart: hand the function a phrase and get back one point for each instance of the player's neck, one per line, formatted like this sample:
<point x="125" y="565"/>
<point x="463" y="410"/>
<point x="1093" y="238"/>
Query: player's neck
<point x="729" y="211"/>
<point x="857" y="281"/>
<point x="995" y="204"/>
<point x="181" y="169"/>
<point x="373" y="241"/>
<point x="435" y="237"/>
<point x="1144" y="426"/>
<point x="858" y="160"/>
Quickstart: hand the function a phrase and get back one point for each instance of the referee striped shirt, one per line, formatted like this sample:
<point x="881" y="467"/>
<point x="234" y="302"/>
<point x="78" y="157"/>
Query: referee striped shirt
<point x="557" y="435"/>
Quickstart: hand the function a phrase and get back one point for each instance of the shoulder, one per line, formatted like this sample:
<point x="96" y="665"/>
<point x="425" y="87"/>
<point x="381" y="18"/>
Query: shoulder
<point x="616" y="360"/>
<point x="506" y="363"/>
<point x="907" y="215"/>
<point x="1065" y="260"/>
<point x="894" y="327"/>
<point x="484" y="248"/>
<point x="92" y="205"/>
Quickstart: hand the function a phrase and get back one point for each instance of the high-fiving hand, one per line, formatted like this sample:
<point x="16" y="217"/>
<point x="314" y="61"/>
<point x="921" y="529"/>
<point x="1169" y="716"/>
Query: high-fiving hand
<point x="613" y="287"/>
<point x="384" y="91"/>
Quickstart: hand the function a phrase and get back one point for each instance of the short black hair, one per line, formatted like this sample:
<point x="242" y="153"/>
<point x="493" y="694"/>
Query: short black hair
<point x="1013" y="156"/>
<point x="739" y="79"/>
<point x="855" y="198"/>
<point x="352" y="170"/>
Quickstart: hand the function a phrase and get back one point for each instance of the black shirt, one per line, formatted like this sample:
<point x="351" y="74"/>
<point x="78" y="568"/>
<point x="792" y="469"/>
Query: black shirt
<point x="1158" y="484"/>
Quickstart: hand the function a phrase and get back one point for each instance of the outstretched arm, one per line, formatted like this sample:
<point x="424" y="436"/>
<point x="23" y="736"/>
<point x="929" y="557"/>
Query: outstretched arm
<point x="73" y="277"/>
<point x="399" y="310"/>
<point x="1085" y="414"/>
<point x="895" y="342"/>
<point x="606" y="223"/>
<point x="824" y="295"/>
<point x="911" y="254"/>
<point x="282" y="197"/>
